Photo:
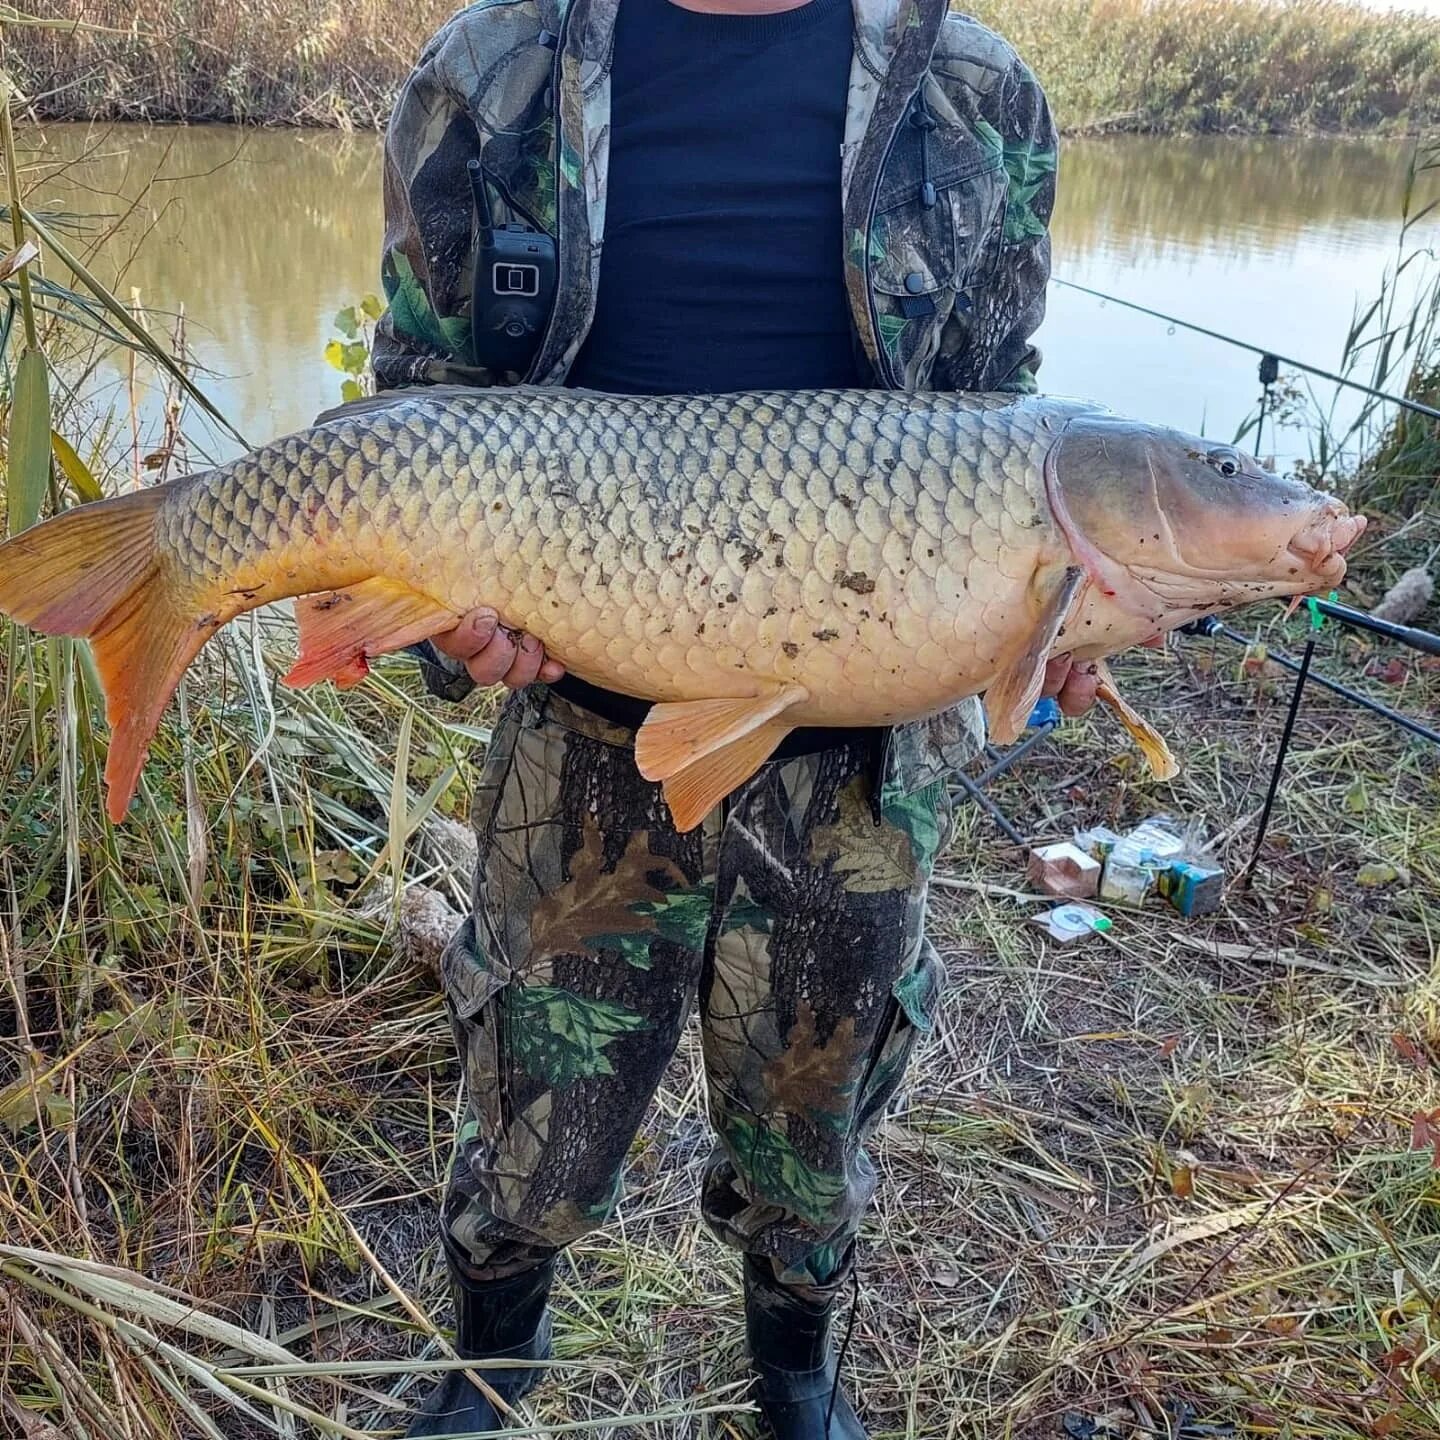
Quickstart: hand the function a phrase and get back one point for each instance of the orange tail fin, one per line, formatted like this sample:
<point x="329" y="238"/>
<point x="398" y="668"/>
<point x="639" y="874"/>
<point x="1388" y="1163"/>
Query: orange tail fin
<point x="94" y="572"/>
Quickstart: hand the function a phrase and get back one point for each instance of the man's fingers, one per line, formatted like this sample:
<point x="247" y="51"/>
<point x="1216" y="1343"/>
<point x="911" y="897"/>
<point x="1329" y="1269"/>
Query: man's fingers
<point x="1056" y="672"/>
<point x="551" y="671"/>
<point x="526" y="666"/>
<point x="1078" y="693"/>
<point x="474" y="632"/>
<point x="491" y="665"/>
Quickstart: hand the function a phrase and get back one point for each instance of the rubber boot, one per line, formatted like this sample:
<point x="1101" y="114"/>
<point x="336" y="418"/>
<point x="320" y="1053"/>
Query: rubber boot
<point x="790" y="1351"/>
<point x="494" y="1320"/>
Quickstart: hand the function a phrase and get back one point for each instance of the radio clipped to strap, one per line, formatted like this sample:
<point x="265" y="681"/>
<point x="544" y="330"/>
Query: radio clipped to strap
<point x="514" y="287"/>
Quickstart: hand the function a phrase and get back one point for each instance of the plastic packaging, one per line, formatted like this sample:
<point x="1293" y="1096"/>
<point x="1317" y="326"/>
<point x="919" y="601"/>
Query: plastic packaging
<point x="1097" y="842"/>
<point x="1129" y="876"/>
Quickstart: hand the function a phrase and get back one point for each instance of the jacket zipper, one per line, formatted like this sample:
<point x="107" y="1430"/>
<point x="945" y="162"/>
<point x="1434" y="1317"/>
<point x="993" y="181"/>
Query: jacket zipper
<point x="555" y="77"/>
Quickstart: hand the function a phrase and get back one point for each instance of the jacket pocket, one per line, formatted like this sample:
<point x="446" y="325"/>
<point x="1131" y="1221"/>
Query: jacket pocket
<point x="920" y="248"/>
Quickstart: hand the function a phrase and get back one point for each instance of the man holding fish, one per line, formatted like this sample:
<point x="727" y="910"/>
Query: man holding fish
<point x="778" y="490"/>
<point x="792" y="194"/>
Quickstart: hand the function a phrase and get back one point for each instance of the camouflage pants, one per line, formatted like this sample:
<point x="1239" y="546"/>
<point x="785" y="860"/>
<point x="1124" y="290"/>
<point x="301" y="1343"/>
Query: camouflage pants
<point x="791" y="914"/>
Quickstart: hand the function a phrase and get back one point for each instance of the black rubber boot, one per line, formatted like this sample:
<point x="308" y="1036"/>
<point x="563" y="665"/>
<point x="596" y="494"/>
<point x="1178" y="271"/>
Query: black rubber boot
<point x="494" y="1320"/>
<point x="791" y="1353"/>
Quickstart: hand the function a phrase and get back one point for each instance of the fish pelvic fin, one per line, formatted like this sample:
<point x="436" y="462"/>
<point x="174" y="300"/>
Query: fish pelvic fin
<point x="677" y="734"/>
<point x="95" y="572"/>
<point x="1012" y="695"/>
<point x="695" y="791"/>
<point x="1158" y="755"/>
<point x="341" y="629"/>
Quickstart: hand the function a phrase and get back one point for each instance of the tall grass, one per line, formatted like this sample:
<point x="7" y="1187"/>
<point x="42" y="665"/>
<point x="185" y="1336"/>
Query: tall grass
<point x="1153" y="65"/>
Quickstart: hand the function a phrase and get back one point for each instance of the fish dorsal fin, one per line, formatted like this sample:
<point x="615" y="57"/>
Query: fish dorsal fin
<point x="677" y="734"/>
<point x="1013" y="693"/>
<point x="1163" y="764"/>
<point x="341" y="629"/>
<point x="697" y="789"/>
<point x="389" y="399"/>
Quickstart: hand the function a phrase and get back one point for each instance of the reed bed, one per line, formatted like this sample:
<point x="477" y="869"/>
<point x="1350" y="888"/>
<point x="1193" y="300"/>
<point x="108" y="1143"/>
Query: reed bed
<point x="1148" y="65"/>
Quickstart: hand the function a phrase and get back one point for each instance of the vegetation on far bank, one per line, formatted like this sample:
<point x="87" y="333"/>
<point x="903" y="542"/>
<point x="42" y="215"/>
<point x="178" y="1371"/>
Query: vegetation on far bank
<point x="1182" y="1179"/>
<point x="1139" y="65"/>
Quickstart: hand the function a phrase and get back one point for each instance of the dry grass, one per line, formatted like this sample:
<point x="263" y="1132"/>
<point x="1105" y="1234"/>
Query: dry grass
<point x="1246" y="65"/>
<point x="1158" y="65"/>
<point x="1171" y="1167"/>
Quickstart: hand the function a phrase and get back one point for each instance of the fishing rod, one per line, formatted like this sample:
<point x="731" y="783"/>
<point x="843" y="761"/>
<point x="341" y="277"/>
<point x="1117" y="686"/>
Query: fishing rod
<point x="1209" y="626"/>
<point x="1419" y="407"/>
<point x="1421" y="640"/>
<point x="1404" y="634"/>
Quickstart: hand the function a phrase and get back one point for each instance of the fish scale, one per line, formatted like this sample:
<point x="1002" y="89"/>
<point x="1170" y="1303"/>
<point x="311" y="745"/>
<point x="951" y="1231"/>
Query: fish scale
<point x="752" y="562"/>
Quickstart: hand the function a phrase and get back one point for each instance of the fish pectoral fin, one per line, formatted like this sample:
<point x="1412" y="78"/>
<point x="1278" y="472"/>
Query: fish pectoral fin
<point x="677" y="734"/>
<point x="1158" y="755"/>
<point x="341" y="629"/>
<point x="697" y="789"/>
<point x="1012" y="695"/>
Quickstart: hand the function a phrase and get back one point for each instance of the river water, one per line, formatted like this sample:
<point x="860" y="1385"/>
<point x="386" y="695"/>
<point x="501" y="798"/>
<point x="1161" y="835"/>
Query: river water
<point x="263" y="236"/>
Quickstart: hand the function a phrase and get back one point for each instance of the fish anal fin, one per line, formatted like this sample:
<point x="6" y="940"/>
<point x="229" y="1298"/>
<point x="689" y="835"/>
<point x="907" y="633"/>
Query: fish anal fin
<point x="696" y="790"/>
<point x="1158" y="755"/>
<point x="677" y="734"/>
<point x="1013" y="693"/>
<point x="341" y="629"/>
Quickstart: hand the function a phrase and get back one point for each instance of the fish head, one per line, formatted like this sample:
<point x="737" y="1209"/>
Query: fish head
<point x="1170" y="527"/>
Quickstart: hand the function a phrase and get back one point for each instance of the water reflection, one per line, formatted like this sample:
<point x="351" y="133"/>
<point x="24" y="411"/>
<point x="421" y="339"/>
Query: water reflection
<point x="264" y="235"/>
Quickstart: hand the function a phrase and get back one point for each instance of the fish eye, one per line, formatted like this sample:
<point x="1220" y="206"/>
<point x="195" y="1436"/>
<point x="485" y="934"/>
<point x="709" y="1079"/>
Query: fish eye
<point x="1224" y="460"/>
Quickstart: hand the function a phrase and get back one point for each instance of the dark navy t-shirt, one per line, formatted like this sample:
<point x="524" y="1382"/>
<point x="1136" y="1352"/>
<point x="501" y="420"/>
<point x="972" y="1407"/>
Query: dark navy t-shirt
<point x="723" y="259"/>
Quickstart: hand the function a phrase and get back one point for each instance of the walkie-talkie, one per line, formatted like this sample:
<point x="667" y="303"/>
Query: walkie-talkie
<point x="515" y="272"/>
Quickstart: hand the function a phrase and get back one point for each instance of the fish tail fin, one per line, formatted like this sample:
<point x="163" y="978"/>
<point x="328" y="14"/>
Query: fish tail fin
<point x="94" y="573"/>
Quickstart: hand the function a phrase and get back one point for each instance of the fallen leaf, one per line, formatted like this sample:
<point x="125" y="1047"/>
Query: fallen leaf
<point x="1409" y="1050"/>
<point x="1392" y="672"/>
<point x="1398" y="1357"/>
<point x="1425" y="1134"/>
<point x="1182" y="1182"/>
<point x="1167" y="1046"/>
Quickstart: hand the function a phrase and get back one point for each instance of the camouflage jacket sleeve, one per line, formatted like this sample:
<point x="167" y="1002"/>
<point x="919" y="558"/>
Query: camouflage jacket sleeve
<point x="424" y="336"/>
<point x="990" y="346"/>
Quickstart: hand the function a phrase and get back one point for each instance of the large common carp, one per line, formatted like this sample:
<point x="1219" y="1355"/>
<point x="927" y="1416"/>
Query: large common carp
<point x="754" y="562"/>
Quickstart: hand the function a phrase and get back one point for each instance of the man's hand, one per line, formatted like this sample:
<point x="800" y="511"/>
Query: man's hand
<point x="1073" y="685"/>
<point x="496" y="655"/>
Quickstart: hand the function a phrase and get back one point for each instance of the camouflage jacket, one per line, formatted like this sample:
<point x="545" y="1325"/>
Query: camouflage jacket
<point x="948" y="183"/>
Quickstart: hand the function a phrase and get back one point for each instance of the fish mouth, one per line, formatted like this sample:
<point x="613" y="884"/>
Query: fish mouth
<point x="1322" y="543"/>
